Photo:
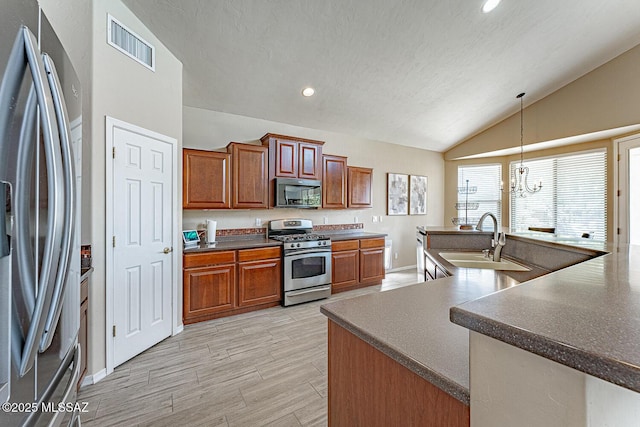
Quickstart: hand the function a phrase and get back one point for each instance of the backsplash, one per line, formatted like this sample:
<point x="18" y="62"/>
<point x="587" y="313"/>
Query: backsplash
<point x="338" y="227"/>
<point x="243" y="232"/>
<point x="229" y="233"/>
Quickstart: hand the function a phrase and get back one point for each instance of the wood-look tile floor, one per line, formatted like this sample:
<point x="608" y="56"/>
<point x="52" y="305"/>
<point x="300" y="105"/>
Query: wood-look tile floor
<point x="265" y="368"/>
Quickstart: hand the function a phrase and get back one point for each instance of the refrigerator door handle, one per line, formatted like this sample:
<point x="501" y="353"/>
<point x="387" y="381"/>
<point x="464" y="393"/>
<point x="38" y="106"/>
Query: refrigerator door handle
<point x="23" y="186"/>
<point x="21" y="234"/>
<point x="69" y="203"/>
<point x="55" y="207"/>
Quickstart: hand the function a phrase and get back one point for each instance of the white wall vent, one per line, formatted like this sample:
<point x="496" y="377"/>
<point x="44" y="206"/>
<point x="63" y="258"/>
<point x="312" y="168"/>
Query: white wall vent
<point x="129" y="43"/>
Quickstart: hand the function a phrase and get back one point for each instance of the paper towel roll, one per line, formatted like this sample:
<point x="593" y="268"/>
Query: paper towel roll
<point x="211" y="231"/>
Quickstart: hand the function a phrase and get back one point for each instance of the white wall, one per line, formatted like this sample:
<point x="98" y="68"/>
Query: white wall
<point x="204" y="129"/>
<point x="605" y="98"/>
<point x="116" y="86"/>
<point x="128" y="91"/>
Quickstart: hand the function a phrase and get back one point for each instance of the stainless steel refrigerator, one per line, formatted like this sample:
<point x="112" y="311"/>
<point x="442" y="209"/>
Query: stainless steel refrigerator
<point x="40" y="121"/>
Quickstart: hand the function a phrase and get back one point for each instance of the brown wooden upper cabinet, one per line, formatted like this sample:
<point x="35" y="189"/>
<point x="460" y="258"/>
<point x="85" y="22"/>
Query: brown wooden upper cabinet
<point x="292" y="157"/>
<point x="360" y="187"/>
<point x="334" y="182"/>
<point x="250" y="176"/>
<point x="206" y="179"/>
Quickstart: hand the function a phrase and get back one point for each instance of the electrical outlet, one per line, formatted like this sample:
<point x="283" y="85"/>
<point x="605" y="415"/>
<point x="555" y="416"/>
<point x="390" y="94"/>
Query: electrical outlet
<point x="395" y="255"/>
<point x="258" y="222"/>
<point x="355" y="219"/>
<point x="374" y="219"/>
<point x="326" y="219"/>
<point x="380" y="218"/>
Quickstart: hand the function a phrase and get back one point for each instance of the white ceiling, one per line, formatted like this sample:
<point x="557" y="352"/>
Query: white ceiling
<point x="422" y="73"/>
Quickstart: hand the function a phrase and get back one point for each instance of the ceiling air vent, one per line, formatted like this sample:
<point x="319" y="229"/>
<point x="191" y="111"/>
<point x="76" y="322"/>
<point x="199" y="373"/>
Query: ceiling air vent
<point x="129" y="43"/>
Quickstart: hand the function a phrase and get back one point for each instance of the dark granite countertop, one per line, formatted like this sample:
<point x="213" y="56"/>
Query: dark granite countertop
<point x="586" y="316"/>
<point x="411" y="324"/>
<point x="257" y="241"/>
<point x="546" y="315"/>
<point x="349" y="235"/>
<point x="235" y="243"/>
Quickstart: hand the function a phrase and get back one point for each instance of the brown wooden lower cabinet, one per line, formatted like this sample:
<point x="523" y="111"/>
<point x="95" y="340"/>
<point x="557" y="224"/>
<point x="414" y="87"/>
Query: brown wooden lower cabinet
<point x="208" y="290"/>
<point x="356" y="263"/>
<point x="259" y="282"/>
<point x="368" y="388"/>
<point x="344" y="269"/>
<point x="371" y="265"/>
<point x="83" y="337"/>
<point x="223" y="283"/>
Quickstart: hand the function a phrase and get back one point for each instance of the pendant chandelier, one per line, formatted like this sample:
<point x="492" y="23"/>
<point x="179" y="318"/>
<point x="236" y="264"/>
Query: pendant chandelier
<point x="519" y="185"/>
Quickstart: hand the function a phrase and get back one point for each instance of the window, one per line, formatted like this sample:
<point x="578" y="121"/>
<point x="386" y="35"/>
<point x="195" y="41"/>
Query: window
<point x="484" y="193"/>
<point x="573" y="199"/>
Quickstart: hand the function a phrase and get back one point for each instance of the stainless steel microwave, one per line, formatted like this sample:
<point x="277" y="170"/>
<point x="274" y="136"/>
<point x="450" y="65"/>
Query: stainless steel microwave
<point x="298" y="193"/>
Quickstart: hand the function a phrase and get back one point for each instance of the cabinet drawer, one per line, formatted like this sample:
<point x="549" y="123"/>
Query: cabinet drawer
<point x="345" y="245"/>
<point x="208" y="258"/>
<point x="372" y="243"/>
<point x="258" y="254"/>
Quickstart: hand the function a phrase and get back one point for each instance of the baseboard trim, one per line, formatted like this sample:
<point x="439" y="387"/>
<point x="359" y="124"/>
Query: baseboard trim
<point x="178" y="329"/>
<point x="92" y="379"/>
<point x="406" y="267"/>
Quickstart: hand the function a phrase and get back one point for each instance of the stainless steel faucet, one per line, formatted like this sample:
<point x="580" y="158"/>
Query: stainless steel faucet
<point x="499" y="239"/>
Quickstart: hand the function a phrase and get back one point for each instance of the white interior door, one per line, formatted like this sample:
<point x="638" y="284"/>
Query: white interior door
<point x="142" y="242"/>
<point x="629" y="200"/>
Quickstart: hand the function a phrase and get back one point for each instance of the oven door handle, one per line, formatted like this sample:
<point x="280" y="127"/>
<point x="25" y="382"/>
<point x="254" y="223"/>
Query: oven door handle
<point x="308" y="291"/>
<point x="308" y="251"/>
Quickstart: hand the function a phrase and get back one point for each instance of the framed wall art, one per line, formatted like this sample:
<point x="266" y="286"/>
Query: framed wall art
<point x="397" y="194"/>
<point x="417" y="195"/>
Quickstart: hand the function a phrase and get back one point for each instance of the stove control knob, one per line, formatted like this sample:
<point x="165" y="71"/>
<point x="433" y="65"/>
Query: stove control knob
<point x="298" y="245"/>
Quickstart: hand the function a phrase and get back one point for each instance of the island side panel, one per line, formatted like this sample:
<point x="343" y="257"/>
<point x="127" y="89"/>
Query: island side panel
<point x="513" y="387"/>
<point x="366" y="387"/>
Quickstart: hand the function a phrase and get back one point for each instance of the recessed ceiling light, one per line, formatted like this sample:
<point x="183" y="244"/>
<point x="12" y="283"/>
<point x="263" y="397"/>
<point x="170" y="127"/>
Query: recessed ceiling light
<point x="308" y="91"/>
<point x="489" y="5"/>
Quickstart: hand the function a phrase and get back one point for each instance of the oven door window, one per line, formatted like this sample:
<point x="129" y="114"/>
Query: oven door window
<point x="308" y="267"/>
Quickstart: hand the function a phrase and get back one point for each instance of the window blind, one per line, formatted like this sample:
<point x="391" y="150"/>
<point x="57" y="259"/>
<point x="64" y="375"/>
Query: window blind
<point x="485" y="179"/>
<point x="573" y="198"/>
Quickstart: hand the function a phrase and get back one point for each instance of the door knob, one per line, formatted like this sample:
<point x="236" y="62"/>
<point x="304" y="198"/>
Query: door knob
<point x="167" y="250"/>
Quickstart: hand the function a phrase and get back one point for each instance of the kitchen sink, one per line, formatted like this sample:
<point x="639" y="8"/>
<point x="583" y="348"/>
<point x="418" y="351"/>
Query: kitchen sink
<point x="478" y="260"/>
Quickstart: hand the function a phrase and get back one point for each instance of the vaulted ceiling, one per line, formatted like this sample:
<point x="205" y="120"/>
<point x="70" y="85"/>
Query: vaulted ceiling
<point x="422" y="73"/>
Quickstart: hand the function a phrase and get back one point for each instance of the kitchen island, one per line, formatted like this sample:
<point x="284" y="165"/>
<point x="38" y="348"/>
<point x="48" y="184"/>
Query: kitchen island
<point x="411" y="325"/>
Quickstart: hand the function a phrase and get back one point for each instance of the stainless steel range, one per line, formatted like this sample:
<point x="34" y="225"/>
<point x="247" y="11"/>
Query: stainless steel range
<point x="306" y="259"/>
